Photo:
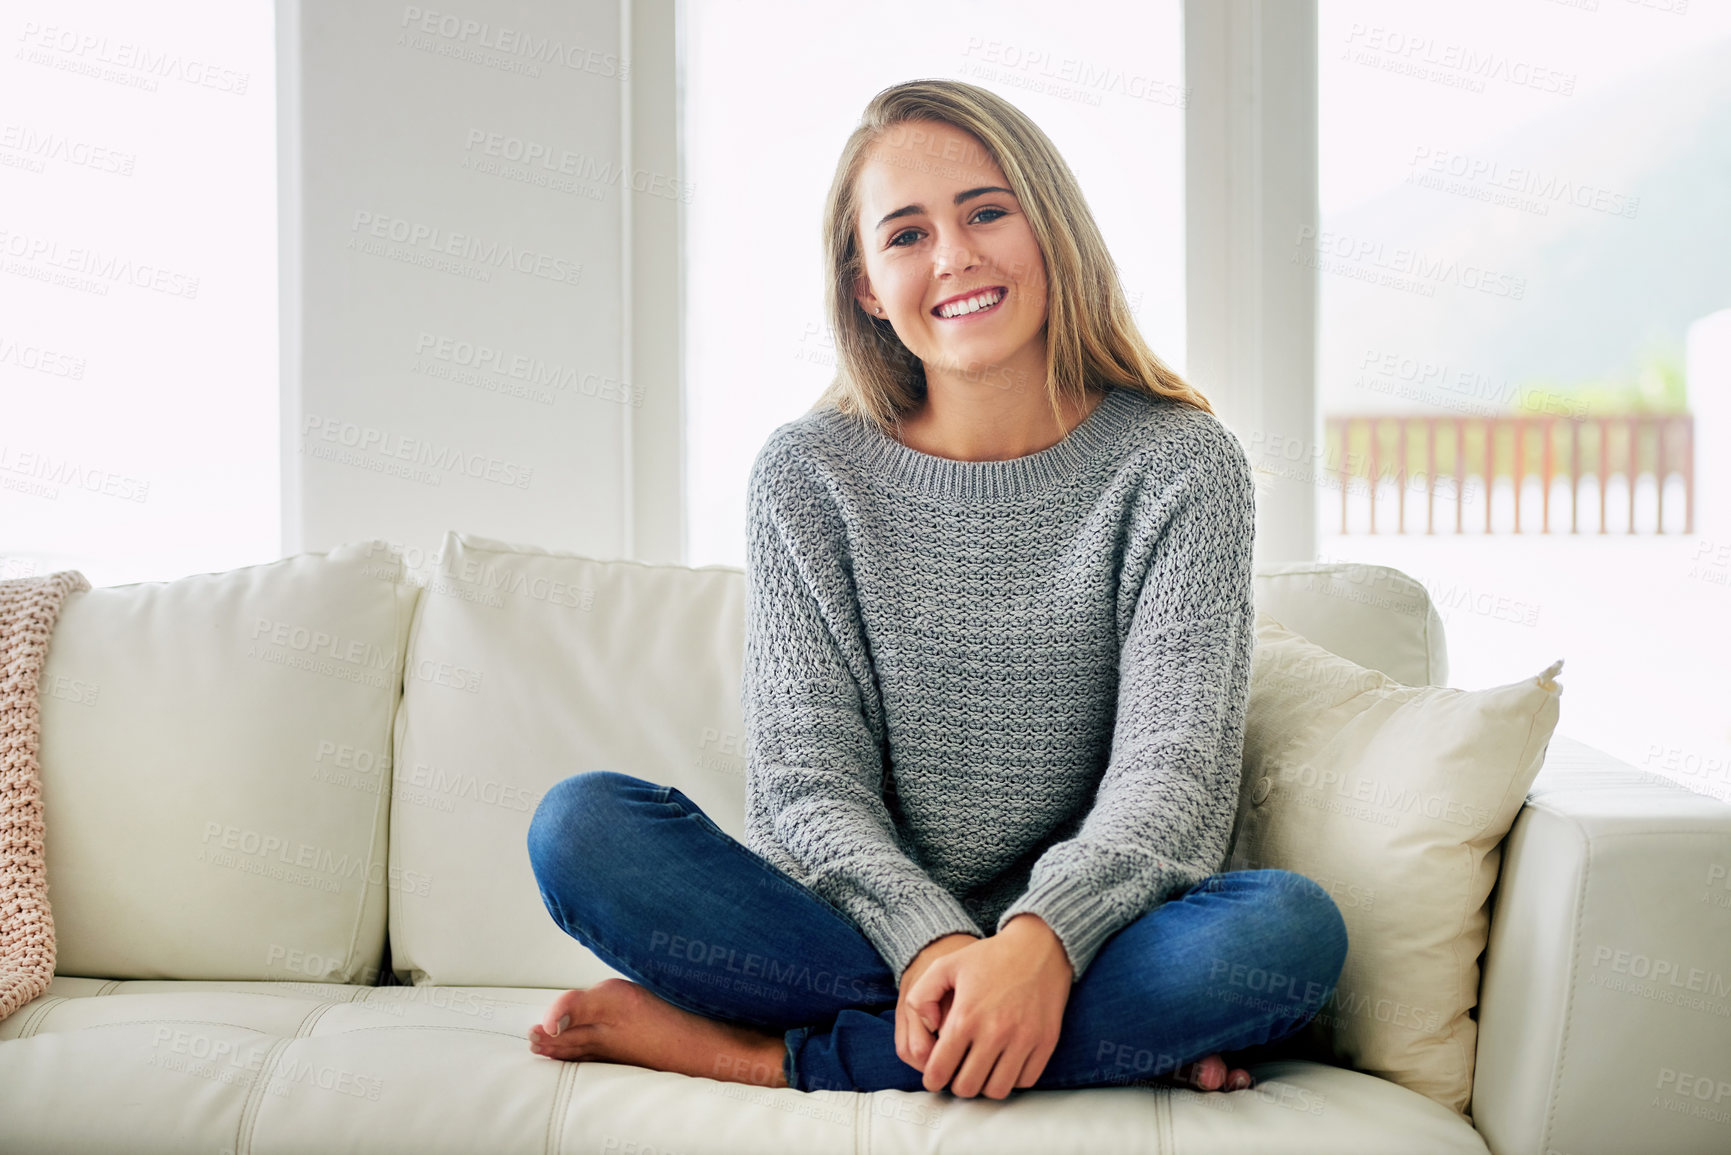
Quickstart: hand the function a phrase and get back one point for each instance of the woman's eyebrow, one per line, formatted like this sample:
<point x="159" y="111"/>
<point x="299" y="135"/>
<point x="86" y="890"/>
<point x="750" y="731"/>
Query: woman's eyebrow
<point x="909" y="210"/>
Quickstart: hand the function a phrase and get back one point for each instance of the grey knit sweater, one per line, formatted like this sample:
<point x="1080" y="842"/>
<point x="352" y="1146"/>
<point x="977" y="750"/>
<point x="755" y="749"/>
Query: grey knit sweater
<point x="974" y="689"/>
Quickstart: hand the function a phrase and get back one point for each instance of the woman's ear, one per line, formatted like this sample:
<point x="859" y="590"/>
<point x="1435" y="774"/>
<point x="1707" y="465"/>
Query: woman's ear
<point x="868" y="301"/>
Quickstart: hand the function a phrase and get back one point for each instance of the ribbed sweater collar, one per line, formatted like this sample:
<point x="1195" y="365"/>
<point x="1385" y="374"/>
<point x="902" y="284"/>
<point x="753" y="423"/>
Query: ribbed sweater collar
<point x="883" y="456"/>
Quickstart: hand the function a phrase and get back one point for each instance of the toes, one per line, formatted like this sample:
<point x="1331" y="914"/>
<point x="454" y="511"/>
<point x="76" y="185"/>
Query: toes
<point x="568" y="1044"/>
<point x="565" y="1046"/>
<point x="1210" y="1073"/>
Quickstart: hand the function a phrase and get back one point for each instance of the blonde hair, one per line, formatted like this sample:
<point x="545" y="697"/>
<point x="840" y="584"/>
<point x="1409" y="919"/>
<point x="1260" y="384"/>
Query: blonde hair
<point x="1091" y="338"/>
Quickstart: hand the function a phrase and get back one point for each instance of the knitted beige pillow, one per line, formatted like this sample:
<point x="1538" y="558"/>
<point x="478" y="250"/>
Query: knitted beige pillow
<point x="29" y="608"/>
<point x="1396" y="799"/>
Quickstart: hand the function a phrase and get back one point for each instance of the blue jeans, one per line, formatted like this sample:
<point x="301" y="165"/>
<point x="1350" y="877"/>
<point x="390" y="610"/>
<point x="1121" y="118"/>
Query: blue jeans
<point x="642" y="877"/>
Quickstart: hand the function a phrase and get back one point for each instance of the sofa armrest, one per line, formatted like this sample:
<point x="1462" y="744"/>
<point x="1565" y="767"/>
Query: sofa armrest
<point x="1605" y="1004"/>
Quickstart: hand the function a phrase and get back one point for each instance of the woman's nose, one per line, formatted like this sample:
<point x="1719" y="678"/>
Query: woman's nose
<point x="954" y="256"/>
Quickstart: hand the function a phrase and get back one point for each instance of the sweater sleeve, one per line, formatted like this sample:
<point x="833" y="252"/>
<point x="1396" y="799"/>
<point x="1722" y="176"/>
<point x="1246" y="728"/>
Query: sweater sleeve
<point x="1163" y="813"/>
<point x="814" y="766"/>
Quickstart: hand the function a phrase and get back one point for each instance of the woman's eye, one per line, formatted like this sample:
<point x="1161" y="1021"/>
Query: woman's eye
<point x="899" y="241"/>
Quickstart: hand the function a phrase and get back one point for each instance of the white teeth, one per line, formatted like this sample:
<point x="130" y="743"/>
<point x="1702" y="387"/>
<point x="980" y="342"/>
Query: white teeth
<point x="971" y="305"/>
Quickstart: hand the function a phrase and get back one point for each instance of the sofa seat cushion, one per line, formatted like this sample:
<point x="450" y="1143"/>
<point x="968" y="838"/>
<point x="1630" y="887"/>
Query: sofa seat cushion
<point x="266" y="1067"/>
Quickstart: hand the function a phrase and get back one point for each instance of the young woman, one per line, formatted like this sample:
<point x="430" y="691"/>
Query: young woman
<point x="998" y="640"/>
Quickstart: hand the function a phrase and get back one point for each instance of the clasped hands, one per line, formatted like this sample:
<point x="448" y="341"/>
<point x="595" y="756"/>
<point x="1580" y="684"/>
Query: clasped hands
<point x="984" y="1013"/>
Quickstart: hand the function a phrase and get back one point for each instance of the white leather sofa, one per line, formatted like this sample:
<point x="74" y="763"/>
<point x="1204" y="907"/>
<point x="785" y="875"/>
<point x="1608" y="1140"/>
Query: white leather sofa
<point x="286" y="810"/>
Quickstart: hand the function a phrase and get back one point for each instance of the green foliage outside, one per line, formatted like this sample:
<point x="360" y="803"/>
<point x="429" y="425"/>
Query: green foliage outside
<point x="1656" y="385"/>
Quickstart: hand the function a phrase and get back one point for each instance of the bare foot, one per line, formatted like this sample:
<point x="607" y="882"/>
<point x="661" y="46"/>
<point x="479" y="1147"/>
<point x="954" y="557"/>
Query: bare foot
<point x="1208" y="1074"/>
<point x="619" y="1021"/>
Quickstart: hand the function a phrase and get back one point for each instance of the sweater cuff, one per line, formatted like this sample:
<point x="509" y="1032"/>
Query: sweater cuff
<point x="1074" y="911"/>
<point x="1080" y="920"/>
<point x="918" y="922"/>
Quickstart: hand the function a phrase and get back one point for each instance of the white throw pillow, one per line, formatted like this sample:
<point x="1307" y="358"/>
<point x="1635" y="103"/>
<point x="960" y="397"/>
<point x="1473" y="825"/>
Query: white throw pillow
<point x="1396" y="800"/>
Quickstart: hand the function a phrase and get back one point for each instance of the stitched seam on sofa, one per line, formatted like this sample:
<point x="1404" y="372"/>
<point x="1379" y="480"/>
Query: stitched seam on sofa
<point x="393" y="696"/>
<point x="1572" y="981"/>
<point x="266" y="994"/>
<point x="473" y="543"/>
<point x="1430" y="670"/>
<point x="310" y="1019"/>
<point x="416" y="621"/>
<point x="434" y="1027"/>
<point x="554" y="1141"/>
<point x="178" y="1022"/>
<point x="255" y="1099"/>
<point x="1470" y="1055"/>
<point x="862" y="1125"/>
<point x="549" y="1133"/>
<point x="1543" y="793"/>
<point x="1454" y="1040"/>
<point x="109" y="988"/>
<point x="323" y="997"/>
<point x="33" y="1022"/>
<point x="1467" y="1057"/>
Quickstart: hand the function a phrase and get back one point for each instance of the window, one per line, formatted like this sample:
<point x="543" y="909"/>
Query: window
<point x="1523" y="217"/>
<point x="771" y="92"/>
<point x="138" y="336"/>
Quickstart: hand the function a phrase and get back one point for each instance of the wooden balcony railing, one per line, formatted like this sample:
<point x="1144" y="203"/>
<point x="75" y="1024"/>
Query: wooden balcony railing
<point x="1424" y="454"/>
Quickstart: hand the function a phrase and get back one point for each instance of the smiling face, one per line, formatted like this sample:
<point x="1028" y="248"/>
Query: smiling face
<point x="950" y="260"/>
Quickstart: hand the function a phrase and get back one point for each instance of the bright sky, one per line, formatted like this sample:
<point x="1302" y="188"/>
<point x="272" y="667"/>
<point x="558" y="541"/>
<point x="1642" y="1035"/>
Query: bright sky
<point x="1597" y="43"/>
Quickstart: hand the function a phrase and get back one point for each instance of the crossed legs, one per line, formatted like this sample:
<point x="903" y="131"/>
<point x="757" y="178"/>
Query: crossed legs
<point x="746" y="975"/>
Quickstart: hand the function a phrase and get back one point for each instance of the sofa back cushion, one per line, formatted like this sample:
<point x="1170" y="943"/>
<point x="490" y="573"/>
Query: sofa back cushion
<point x="214" y="757"/>
<point x="1372" y="615"/>
<point x="526" y="666"/>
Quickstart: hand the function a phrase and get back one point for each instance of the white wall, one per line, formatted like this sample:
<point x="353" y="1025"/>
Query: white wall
<point x="459" y="202"/>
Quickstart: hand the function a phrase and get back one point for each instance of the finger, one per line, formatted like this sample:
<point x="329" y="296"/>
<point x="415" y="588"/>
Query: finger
<point x="946" y="1055"/>
<point x="925" y="1002"/>
<point x="925" y="997"/>
<point x="976" y="1068"/>
<point x="920" y="1040"/>
<point x="1005" y="1072"/>
<point x="916" y="1041"/>
<point x="1035" y="1065"/>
